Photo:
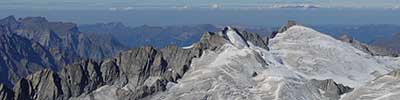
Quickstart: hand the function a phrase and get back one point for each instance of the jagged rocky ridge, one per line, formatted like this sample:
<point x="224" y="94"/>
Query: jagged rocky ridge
<point x="241" y="71"/>
<point x="135" y="73"/>
<point x="222" y="65"/>
<point x="62" y="38"/>
<point x="373" y="50"/>
<point x="32" y="44"/>
<point x="20" y="57"/>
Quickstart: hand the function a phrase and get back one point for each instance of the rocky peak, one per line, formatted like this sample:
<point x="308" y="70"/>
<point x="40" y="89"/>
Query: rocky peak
<point x="8" y="19"/>
<point x="34" y="20"/>
<point x="289" y="24"/>
<point x="212" y="41"/>
<point x="9" y="22"/>
<point x="234" y="37"/>
<point x="372" y="50"/>
<point x="142" y="70"/>
<point x="135" y="73"/>
<point x="331" y="88"/>
<point x="285" y="27"/>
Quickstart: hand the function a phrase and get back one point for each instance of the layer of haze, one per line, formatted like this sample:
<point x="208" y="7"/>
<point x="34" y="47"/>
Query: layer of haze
<point x="272" y="17"/>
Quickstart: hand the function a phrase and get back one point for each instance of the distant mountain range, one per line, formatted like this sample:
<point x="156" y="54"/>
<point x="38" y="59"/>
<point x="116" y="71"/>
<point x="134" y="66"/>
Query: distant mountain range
<point x="156" y="36"/>
<point x="31" y="44"/>
<point x="161" y="36"/>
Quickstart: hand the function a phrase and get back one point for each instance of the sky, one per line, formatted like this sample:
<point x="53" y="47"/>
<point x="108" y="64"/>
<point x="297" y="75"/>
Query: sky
<point x="218" y="12"/>
<point x="188" y="4"/>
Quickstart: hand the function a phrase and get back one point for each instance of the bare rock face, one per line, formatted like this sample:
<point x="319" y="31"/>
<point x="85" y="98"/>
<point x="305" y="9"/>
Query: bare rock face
<point x="372" y="50"/>
<point x="255" y="39"/>
<point x="285" y="27"/>
<point x="32" y="44"/>
<point x="289" y="24"/>
<point x="43" y="85"/>
<point x="6" y="93"/>
<point x="20" y="57"/>
<point x="23" y="90"/>
<point x="331" y="88"/>
<point x="63" y="38"/>
<point x="212" y="41"/>
<point x="145" y="70"/>
<point x="133" y="74"/>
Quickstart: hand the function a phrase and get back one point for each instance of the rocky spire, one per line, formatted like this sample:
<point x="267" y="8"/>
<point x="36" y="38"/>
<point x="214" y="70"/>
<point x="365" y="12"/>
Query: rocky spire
<point x="289" y="24"/>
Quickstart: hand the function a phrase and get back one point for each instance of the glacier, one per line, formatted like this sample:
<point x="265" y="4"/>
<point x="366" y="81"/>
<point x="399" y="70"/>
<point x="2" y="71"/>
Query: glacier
<point x="296" y="56"/>
<point x="297" y="61"/>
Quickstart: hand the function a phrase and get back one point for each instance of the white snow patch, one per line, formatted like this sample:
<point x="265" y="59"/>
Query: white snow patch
<point x="188" y="47"/>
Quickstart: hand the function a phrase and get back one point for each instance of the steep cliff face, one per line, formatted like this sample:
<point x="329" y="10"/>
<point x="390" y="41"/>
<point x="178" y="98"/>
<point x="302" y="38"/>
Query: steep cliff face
<point x="63" y="38"/>
<point x="371" y="49"/>
<point x="32" y="44"/>
<point x="142" y="71"/>
<point x="136" y="73"/>
<point x="20" y="57"/>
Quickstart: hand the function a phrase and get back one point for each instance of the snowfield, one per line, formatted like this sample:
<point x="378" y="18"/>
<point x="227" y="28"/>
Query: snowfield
<point x="318" y="56"/>
<point x="297" y="56"/>
<point x="296" y="59"/>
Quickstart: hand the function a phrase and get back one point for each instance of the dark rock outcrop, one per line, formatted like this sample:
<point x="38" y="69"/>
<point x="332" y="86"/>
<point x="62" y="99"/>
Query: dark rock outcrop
<point x="147" y="70"/>
<point x="213" y="41"/>
<point x="63" y="38"/>
<point x="331" y="88"/>
<point x="395" y="73"/>
<point x="289" y="24"/>
<point x="372" y="50"/>
<point x="255" y="39"/>
<point x="21" y="57"/>
<point x="32" y="44"/>
<point x="6" y="93"/>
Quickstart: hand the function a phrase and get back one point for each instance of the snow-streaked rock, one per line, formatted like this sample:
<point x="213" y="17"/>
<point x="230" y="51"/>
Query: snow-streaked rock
<point x="318" y="56"/>
<point x="299" y="64"/>
<point x="238" y="73"/>
<point x="288" y="71"/>
<point x="235" y="38"/>
<point x="386" y="87"/>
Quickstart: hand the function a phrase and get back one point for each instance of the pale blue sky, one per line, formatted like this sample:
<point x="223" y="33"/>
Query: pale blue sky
<point x="130" y="4"/>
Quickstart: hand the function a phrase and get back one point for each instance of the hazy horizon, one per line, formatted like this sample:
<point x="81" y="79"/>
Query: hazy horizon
<point x="267" y="17"/>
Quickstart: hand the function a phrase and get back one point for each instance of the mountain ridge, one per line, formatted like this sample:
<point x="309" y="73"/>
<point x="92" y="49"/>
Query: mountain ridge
<point x="297" y="63"/>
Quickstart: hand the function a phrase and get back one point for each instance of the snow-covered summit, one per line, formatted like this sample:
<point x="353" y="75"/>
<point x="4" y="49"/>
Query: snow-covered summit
<point x="318" y="56"/>
<point x="301" y="64"/>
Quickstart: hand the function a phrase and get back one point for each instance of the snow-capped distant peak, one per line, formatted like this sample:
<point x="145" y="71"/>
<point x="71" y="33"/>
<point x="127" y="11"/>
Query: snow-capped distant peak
<point x="235" y="38"/>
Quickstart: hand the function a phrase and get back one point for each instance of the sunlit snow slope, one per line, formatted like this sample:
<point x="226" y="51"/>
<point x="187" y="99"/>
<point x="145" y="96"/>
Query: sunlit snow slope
<point x="286" y="72"/>
<point x="316" y="55"/>
<point x="302" y="64"/>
